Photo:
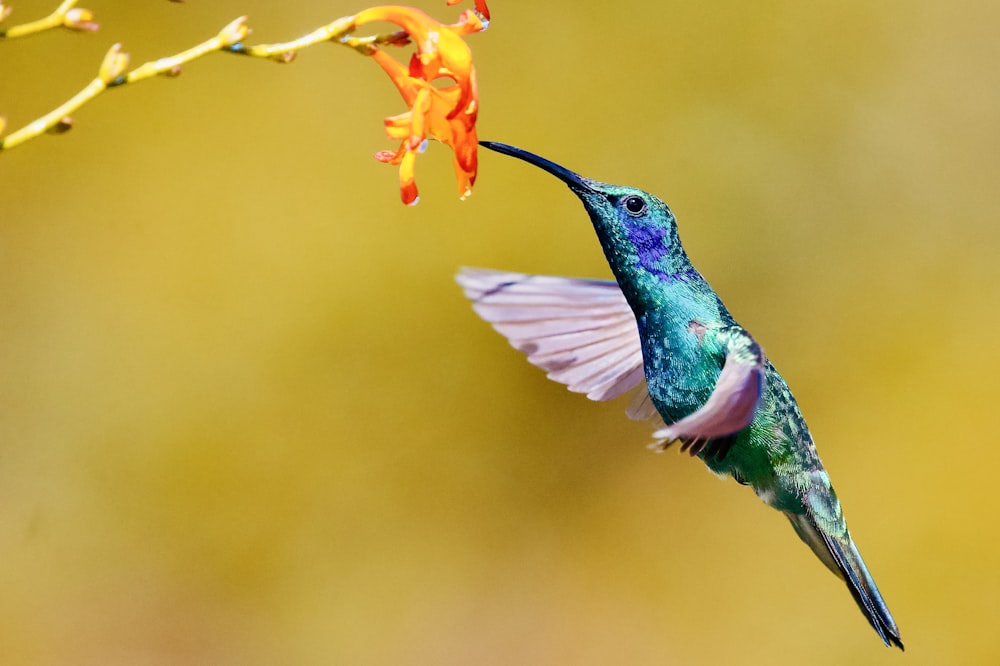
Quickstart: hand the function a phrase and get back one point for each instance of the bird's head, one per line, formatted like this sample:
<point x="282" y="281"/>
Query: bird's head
<point x="637" y="230"/>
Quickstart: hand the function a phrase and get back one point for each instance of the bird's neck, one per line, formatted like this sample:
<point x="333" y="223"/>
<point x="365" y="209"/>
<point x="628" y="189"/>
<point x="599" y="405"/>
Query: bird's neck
<point x="649" y="264"/>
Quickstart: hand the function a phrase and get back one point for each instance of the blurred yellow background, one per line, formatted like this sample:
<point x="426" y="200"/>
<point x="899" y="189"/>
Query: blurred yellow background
<point x="246" y="416"/>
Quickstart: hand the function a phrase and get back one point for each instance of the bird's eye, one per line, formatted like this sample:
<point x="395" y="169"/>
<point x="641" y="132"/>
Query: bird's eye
<point x="635" y="205"/>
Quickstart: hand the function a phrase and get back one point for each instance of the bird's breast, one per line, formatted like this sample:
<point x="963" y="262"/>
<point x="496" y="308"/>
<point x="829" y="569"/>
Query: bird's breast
<point x="681" y="366"/>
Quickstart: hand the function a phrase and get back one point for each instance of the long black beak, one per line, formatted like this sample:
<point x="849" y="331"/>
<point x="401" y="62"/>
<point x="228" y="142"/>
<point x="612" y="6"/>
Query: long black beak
<point x="574" y="180"/>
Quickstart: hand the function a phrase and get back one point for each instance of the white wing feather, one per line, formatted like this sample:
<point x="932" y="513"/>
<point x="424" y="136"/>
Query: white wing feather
<point x="582" y="332"/>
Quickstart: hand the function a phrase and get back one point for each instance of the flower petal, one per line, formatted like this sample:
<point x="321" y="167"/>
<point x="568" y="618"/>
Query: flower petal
<point x="407" y="182"/>
<point x="480" y="7"/>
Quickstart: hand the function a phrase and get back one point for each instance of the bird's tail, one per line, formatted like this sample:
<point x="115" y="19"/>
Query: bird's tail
<point x="838" y="552"/>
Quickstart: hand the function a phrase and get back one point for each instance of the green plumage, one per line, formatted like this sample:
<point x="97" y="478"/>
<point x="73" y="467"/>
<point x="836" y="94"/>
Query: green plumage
<point x="706" y="376"/>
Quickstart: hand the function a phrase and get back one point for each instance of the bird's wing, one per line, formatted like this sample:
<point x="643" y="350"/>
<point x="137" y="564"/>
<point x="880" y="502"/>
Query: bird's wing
<point x="734" y="400"/>
<point x="582" y="332"/>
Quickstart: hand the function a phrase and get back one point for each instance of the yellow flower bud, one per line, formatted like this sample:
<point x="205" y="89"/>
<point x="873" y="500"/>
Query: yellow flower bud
<point x="235" y="32"/>
<point x="114" y="65"/>
<point x="80" y="19"/>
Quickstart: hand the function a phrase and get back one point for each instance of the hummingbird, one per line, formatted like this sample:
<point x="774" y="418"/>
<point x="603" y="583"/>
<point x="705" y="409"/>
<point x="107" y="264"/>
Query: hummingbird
<point x="700" y="377"/>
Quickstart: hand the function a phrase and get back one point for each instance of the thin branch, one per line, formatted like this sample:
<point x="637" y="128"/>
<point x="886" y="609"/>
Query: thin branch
<point x="285" y="51"/>
<point x="66" y="15"/>
<point x="113" y="72"/>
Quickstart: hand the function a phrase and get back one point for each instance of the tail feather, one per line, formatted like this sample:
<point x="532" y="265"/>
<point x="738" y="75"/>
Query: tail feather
<point x="839" y="554"/>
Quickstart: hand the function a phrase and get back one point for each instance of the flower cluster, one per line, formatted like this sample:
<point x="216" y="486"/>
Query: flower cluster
<point x="446" y="113"/>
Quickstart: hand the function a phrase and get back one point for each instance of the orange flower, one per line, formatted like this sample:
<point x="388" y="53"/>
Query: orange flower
<point x="446" y="113"/>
